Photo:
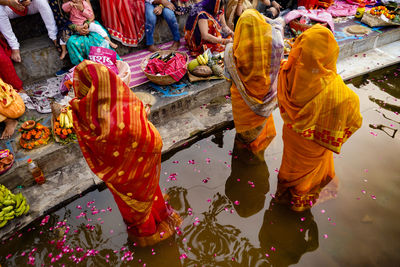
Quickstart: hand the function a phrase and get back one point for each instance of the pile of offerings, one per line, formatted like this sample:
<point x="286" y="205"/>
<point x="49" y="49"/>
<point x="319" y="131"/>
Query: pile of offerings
<point x="382" y="15"/>
<point x="62" y="124"/>
<point x="33" y="134"/>
<point x="11" y="205"/>
<point x="206" y="66"/>
<point x="6" y="160"/>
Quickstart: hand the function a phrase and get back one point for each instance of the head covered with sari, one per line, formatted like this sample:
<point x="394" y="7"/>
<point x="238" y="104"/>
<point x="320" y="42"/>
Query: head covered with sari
<point x="120" y="145"/>
<point x="211" y="10"/>
<point x="253" y="62"/>
<point x="313" y="99"/>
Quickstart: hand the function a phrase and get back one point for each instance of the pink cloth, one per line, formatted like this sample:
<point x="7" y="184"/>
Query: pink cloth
<point x="104" y="56"/>
<point x="313" y="14"/>
<point x="76" y="16"/>
<point x="175" y="67"/>
<point x="366" y="2"/>
<point x="342" y="9"/>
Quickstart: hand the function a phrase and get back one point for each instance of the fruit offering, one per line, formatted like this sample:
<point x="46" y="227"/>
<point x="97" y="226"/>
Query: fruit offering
<point x="63" y="126"/>
<point x="6" y="160"/>
<point x="206" y="65"/>
<point x="379" y="10"/>
<point x="33" y="134"/>
<point x="11" y="205"/>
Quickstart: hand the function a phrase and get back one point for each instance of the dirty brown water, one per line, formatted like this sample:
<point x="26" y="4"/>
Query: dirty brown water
<point x="233" y="223"/>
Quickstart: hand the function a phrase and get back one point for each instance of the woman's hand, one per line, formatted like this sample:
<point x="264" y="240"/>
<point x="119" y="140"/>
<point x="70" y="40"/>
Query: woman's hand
<point x="276" y="5"/>
<point x="169" y="5"/>
<point x="227" y="30"/>
<point x="82" y="29"/>
<point x="157" y="10"/>
<point x="79" y="6"/>
<point x="26" y="3"/>
<point x="15" y="4"/>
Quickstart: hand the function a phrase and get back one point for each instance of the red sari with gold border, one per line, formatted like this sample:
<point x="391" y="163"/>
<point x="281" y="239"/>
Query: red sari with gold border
<point x="123" y="149"/>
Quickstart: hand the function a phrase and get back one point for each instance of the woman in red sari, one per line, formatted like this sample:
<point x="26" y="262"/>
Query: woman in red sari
<point x="124" y="20"/>
<point x="123" y="149"/>
<point x="7" y="70"/>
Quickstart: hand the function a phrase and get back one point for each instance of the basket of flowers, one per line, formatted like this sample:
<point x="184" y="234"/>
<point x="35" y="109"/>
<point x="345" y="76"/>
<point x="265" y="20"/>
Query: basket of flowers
<point x="33" y="134"/>
<point x="165" y="67"/>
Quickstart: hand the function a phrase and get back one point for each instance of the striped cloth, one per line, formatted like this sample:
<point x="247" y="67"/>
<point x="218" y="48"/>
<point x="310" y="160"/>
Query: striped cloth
<point x="137" y="75"/>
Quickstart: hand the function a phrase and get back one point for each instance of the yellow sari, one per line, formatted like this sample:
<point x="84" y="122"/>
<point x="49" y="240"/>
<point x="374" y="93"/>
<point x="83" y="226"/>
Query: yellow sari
<point x="253" y="63"/>
<point x="319" y="111"/>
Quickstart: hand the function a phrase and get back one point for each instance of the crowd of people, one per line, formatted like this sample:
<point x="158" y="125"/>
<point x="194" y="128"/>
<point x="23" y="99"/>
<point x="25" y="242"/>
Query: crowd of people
<point x="319" y="111"/>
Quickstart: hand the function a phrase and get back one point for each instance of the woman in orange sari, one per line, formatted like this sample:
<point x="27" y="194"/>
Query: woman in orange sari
<point x="319" y="112"/>
<point x="253" y="63"/>
<point x="123" y="149"/>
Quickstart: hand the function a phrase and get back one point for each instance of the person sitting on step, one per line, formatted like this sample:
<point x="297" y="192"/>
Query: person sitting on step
<point x="10" y="9"/>
<point x="166" y="8"/>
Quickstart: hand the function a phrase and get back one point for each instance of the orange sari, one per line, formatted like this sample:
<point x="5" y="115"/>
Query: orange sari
<point x="319" y="111"/>
<point x="11" y="104"/>
<point x="123" y="149"/>
<point x="253" y="63"/>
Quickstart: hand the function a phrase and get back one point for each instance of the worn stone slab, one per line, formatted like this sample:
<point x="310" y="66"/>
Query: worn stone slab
<point x="372" y="60"/>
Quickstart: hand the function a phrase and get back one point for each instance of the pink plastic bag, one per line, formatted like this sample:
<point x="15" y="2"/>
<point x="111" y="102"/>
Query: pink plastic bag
<point x="104" y="56"/>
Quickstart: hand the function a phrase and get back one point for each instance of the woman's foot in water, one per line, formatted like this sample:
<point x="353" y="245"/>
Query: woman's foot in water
<point x="9" y="129"/>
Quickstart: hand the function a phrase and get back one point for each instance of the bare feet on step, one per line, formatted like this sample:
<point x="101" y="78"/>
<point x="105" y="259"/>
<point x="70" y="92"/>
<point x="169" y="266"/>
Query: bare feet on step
<point x="113" y="45"/>
<point x="9" y="129"/>
<point x="15" y="55"/>
<point x="175" y="45"/>
<point x="63" y="54"/>
<point x="152" y="48"/>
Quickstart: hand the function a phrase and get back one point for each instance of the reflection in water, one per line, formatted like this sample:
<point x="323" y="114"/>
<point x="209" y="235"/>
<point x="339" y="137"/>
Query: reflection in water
<point x="383" y="104"/>
<point x="387" y="81"/>
<point x="248" y="182"/>
<point x="213" y="244"/>
<point x="386" y="129"/>
<point x="218" y="139"/>
<point x="287" y="235"/>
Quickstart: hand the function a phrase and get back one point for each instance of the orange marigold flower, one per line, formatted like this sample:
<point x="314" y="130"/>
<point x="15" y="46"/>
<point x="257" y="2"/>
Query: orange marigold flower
<point x="64" y="132"/>
<point x="69" y="131"/>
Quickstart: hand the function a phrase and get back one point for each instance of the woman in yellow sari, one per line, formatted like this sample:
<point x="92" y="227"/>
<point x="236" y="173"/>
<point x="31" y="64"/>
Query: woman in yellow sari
<point x="253" y="64"/>
<point x="319" y="112"/>
<point x="123" y="149"/>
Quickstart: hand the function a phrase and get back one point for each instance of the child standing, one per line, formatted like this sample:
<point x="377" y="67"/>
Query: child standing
<point x="81" y="13"/>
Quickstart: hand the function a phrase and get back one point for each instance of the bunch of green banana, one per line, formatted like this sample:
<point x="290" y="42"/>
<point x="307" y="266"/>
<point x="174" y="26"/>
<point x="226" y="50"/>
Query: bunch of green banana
<point x="66" y="118"/>
<point x="202" y="59"/>
<point x="11" y="205"/>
